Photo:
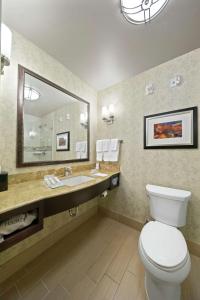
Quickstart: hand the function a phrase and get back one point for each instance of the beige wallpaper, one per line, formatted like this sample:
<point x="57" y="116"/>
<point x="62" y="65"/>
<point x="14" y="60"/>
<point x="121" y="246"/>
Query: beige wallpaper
<point x="172" y="168"/>
<point x="35" y="59"/>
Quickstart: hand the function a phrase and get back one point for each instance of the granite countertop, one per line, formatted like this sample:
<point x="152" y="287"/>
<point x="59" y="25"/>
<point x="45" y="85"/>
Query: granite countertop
<point x="32" y="191"/>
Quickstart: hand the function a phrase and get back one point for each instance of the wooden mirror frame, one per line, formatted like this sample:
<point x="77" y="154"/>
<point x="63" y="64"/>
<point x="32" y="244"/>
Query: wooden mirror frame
<point x="20" y="121"/>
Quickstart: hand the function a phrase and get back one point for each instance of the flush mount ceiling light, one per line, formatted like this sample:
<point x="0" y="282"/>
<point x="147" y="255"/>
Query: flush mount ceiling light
<point x="30" y="94"/>
<point x="141" y="11"/>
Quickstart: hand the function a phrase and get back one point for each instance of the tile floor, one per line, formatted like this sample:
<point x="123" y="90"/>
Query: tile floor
<point x="98" y="261"/>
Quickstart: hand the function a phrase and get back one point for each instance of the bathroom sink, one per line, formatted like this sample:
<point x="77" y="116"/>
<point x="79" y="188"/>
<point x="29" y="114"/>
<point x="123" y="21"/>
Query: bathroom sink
<point x="76" y="180"/>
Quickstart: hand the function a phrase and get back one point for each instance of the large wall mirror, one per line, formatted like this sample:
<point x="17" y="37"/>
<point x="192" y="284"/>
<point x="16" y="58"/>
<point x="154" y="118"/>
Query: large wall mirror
<point x="53" y="124"/>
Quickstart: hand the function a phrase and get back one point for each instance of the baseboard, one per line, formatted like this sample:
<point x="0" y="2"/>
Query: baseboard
<point x="19" y="261"/>
<point x="122" y="219"/>
<point x="194" y="248"/>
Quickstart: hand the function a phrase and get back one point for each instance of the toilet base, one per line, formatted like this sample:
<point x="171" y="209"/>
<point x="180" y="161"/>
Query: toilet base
<point x="159" y="290"/>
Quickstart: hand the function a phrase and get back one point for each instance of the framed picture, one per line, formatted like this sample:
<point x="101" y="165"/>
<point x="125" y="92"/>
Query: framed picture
<point x="172" y="129"/>
<point x="63" y="141"/>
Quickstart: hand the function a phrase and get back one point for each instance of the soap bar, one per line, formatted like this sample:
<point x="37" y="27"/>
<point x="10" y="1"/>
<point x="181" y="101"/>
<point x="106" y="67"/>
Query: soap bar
<point x="3" y="181"/>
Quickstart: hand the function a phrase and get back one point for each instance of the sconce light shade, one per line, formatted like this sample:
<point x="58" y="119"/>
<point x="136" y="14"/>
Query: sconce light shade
<point x="6" y="43"/>
<point x="84" y="119"/>
<point x="108" y="114"/>
<point x="32" y="133"/>
<point x="105" y="112"/>
<point x="111" y="110"/>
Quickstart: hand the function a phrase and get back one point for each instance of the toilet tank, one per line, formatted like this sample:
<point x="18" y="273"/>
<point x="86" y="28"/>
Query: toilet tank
<point x="168" y="205"/>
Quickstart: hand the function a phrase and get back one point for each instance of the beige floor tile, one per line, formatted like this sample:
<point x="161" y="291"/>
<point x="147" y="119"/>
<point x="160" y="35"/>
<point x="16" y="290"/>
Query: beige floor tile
<point x="59" y="293"/>
<point x="37" y="292"/>
<point x="105" y="290"/>
<point x="97" y="270"/>
<point x="27" y="282"/>
<point x="186" y="290"/>
<point x="194" y="279"/>
<point x="120" y="262"/>
<point x="10" y="294"/>
<point x="72" y="277"/>
<point x="11" y="281"/>
<point x="129" y="288"/>
<point x="83" y="289"/>
<point x="54" y="276"/>
<point x="90" y="252"/>
<point x="135" y="265"/>
<point x="142" y="292"/>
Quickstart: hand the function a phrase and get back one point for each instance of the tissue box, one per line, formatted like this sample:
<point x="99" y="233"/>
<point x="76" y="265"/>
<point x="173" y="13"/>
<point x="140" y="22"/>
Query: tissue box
<point x="3" y="181"/>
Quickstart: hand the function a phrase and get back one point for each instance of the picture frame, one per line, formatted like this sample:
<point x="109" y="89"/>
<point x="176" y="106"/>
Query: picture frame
<point x="63" y="141"/>
<point x="173" y="129"/>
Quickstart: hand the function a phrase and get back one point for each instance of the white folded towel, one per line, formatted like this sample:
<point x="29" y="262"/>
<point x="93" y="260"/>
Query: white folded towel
<point x="78" y="154"/>
<point x="114" y="156"/>
<point x="113" y="153"/>
<point x="114" y="143"/>
<point x="99" y="146"/>
<point x="78" y="146"/>
<point x="106" y="145"/>
<point x="106" y="156"/>
<point x="83" y="146"/>
<point x="99" y="156"/>
<point x="83" y="155"/>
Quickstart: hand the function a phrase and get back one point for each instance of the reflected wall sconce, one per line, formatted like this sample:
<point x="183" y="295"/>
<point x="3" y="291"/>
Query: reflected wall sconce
<point x="108" y="114"/>
<point x="84" y="120"/>
<point x="32" y="133"/>
<point x="6" y="43"/>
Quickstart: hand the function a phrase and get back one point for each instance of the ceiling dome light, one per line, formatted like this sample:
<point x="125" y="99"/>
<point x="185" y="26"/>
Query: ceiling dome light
<point x="30" y="94"/>
<point x="142" y="11"/>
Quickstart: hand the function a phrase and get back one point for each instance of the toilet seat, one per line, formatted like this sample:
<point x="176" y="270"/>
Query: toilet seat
<point x="164" y="246"/>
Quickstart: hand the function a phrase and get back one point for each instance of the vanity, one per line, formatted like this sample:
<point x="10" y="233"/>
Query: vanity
<point x="34" y="195"/>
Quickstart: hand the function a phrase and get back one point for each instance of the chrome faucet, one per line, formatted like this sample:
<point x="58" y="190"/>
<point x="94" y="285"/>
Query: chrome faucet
<point x="68" y="171"/>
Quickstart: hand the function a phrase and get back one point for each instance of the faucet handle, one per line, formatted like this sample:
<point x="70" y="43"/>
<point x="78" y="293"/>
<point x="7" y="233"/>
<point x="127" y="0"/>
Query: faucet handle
<point x="68" y="170"/>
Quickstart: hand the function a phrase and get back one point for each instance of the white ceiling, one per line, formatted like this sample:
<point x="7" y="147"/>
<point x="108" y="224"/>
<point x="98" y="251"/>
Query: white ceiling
<point x="93" y="40"/>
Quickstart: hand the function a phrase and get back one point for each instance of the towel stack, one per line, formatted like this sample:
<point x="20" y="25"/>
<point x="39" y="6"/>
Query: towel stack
<point x="107" y="150"/>
<point x="81" y="149"/>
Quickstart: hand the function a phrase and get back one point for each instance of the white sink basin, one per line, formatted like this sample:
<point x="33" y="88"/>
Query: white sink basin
<point x="76" y="180"/>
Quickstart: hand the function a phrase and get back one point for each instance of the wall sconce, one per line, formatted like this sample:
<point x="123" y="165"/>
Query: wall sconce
<point x="6" y="41"/>
<point x="108" y="114"/>
<point x="84" y="120"/>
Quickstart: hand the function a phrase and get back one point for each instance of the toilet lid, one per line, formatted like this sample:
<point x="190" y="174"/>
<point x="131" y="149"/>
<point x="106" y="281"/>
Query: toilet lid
<point x="163" y="244"/>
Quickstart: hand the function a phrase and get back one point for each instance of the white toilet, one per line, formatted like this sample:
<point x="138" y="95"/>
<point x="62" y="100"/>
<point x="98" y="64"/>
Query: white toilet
<point x="162" y="247"/>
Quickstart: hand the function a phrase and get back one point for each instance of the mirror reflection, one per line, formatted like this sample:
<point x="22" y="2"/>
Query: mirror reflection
<point x="55" y="124"/>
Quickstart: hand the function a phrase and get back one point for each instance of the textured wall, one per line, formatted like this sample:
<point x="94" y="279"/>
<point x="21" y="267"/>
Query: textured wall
<point x="35" y="59"/>
<point x="172" y="168"/>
